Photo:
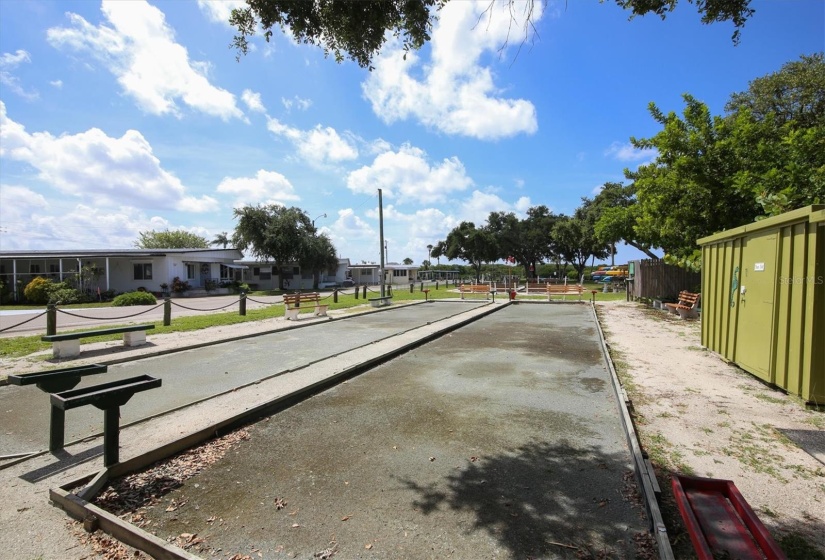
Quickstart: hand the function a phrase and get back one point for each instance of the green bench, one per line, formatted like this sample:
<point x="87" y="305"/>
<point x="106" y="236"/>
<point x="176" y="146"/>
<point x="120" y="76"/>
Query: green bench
<point x="55" y="381"/>
<point x="108" y="397"/>
<point x="67" y="345"/>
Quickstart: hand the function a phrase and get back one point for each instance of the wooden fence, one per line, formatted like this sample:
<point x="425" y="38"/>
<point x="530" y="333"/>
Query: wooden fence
<point x="655" y="279"/>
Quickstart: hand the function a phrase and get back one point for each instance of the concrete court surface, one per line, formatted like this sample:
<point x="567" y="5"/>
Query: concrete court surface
<point x="192" y="375"/>
<point x="499" y="440"/>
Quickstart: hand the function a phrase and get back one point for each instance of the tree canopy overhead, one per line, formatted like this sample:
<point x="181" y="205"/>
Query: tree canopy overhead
<point x="283" y="235"/>
<point x="170" y="239"/>
<point x="357" y="29"/>
<point x="343" y="28"/>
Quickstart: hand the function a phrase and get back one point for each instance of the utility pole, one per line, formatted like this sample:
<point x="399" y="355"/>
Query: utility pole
<point x="381" y="237"/>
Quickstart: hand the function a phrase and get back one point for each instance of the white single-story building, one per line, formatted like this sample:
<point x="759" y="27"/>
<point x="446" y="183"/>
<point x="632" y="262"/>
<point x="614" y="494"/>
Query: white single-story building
<point x="123" y="270"/>
<point x="263" y="275"/>
<point x="369" y="274"/>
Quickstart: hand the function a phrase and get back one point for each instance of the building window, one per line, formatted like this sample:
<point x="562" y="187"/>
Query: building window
<point x="296" y="270"/>
<point x="266" y="276"/>
<point x="34" y="269"/>
<point x="256" y="271"/>
<point x="190" y="271"/>
<point x="143" y="271"/>
<point x="399" y="272"/>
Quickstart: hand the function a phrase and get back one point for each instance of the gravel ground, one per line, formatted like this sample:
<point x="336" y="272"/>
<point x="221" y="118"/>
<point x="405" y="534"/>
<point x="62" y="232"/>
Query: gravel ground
<point x="699" y="415"/>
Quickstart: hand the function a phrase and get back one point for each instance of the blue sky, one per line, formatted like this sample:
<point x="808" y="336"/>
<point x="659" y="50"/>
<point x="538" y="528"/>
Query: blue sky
<point x="128" y="116"/>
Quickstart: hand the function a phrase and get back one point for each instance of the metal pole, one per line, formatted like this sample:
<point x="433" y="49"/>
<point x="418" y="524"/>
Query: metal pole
<point x="381" y="236"/>
<point x="242" y="306"/>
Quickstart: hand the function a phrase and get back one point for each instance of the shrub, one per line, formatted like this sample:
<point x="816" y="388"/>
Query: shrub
<point x="61" y="293"/>
<point x="37" y="291"/>
<point x="573" y="275"/>
<point x="179" y="286"/>
<point x="134" y="298"/>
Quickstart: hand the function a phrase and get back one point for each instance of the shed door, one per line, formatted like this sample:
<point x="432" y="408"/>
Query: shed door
<point x="757" y="289"/>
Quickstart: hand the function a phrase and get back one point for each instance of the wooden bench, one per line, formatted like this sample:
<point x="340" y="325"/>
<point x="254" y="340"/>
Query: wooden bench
<point x="564" y="290"/>
<point x="67" y="345"/>
<point x="292" y="305"/>
<point x="108" y="397"/>
<point x="688" y="306"/>
<point x="55" y="381"/>
<point x="474" y="289"/>
<point x="534" y="288"/>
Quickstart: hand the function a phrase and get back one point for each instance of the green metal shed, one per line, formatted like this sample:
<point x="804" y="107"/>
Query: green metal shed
<point x="763" y="299"/>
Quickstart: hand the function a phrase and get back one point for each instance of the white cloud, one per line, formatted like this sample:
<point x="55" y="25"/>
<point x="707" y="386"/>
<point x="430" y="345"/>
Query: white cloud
<point x="268" y="187"/>
<point x="319" y="145"/>
<point x="218" y="11"/>
<point x="523" y="204"/>
<point x="457" y="94"/>
<point x="253" y="101"/>
<point x="349" y="225"/>
<point x="96" y="167"/>
<point x="477" y="208"/>
<point x="9" y="62"/>
<point x="139" y="48"/>
<point x="627" y="152"/>
<point x="297" y="102"/>
<point x="57" y="83"/>
<point x="409" y="177"/>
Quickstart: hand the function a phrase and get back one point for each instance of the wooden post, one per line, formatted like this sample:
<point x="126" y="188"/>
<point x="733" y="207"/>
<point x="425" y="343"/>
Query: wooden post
<point x="242" y="306"/>
<point x="167" y="311"/>
<point x="365" y="292"/>
<point x="111" y="436"/>
<point x="51" y="319"/>
<point x="335" y="295"/>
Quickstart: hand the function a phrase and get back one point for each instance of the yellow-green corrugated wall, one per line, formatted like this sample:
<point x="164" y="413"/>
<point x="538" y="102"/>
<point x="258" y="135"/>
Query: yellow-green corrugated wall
<point x="797" y="357"/>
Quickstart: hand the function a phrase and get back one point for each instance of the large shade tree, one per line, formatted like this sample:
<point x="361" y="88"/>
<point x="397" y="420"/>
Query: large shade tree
<point x="274" y="233"/>
<point x="357" y="29"/>
<point x="319" y="256"/>
<point x="712" y="173"/>
<point x="615" y="211"/>
<point x="529" y="241"/>
<point x="576" y="240"/>
<point x="170" y="239"/>
<point x="471" y="244"/>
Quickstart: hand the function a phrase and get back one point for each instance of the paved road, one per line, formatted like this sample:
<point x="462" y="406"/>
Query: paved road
<point x="100" y="316"/>
<point x="192" y="375"/>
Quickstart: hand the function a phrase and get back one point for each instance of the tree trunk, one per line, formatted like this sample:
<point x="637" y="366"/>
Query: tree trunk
<point x="643" y="249"/>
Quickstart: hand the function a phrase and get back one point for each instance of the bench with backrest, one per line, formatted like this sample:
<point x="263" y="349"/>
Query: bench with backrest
<point x="534" y="288"/>
<point x="688" y="305"/>
<point x="108" y="397"/>
<point x="474" y="289"/>
<point x="55" y="381"/>
<point x="564" y="290"/>
<point x="67" y="345"/>
<point x="292" y="304"/>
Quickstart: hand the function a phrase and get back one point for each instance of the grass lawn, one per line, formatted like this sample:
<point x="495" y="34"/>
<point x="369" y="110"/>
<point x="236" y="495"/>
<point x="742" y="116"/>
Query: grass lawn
<point x="24" y="345"/>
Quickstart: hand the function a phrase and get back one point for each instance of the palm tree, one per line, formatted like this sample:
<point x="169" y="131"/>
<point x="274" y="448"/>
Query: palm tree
<point x="221" y="239"/>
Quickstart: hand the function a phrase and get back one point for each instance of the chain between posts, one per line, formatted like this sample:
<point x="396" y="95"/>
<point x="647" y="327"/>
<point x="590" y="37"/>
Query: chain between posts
<point x="24" y="322"/>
